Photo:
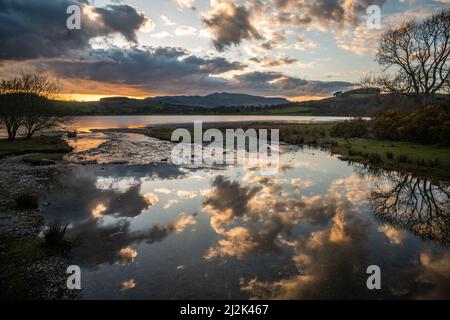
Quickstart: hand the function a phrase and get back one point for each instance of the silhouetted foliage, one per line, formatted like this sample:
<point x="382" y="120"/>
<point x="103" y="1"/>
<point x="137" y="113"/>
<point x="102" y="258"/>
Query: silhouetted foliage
<point x="27" y="201"/>
<point x="350" y="129"/>
<point x="417" y="56"/>
<point x="26" y="102"/>
<point x="54" y="234"/>
<point x="426" y="125"/>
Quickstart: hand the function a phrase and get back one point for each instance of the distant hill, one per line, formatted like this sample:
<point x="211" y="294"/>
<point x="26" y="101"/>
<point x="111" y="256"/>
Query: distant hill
<point x="356" y="103"/>
<point x="219" y="100"/>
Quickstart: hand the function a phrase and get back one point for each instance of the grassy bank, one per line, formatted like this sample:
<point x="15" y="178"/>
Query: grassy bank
<point x="34" y="145"/>
<point x="420" y="159"/>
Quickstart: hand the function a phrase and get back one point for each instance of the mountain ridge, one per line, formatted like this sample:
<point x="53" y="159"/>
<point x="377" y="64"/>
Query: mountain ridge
<point x="222" y="99"/>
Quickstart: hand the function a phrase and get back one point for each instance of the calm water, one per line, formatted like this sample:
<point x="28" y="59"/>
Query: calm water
<point x="167" y="232"/>
<point x="106" y="122"/>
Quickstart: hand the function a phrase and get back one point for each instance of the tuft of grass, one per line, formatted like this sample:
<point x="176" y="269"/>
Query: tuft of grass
<point x="389" y="155"/>
<point x="402" y="158"/>
<point x="27" y="201"/>
<point x="54" y="234"/>
<point x="375" y="158"/>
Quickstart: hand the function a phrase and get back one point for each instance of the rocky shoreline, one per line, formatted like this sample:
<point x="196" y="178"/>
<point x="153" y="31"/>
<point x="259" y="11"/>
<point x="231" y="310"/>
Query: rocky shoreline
<point x="28" y="271"/>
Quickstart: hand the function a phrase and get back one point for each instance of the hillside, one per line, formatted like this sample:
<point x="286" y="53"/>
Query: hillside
<point x="219" y="100"/>
<point x="351" y="103"/>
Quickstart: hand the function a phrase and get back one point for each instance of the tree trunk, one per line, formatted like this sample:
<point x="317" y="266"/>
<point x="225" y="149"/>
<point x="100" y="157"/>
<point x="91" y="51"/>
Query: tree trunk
<point x="11" y="135"/>
<point x="30" y="133"/>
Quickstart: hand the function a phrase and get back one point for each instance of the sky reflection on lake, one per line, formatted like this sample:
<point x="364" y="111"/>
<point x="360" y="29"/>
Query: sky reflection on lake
<point x="165" y="232"/>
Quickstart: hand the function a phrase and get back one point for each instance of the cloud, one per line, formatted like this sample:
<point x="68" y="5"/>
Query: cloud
<point x="274" y="61"/>
<point x="324" y="12"/>
<point x="114" y="241"/>
<point x="174" y="70"/>
<point x="290" y="86"/>
<point x="153" y="68"/>
<point x="31" y="29"/>
<point x="254" y="218"/>
<point x="229" y="24"/>
<point x="329" y="262"/>
<point x="167" y="21"/>
<point x="185" y="4"/>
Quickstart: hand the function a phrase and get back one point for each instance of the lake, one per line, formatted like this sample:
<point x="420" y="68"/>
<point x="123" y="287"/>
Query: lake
<point x="161" y="231"/>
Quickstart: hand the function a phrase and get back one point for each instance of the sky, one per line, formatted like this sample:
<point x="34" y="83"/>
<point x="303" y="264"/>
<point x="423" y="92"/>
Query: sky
<point x="298" y="49"/>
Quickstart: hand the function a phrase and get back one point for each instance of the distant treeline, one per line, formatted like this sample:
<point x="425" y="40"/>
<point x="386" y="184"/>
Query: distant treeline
<point x="353" y="104"/>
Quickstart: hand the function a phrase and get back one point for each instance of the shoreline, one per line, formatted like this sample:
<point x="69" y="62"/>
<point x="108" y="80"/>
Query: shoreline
<point x="427" y="161"/>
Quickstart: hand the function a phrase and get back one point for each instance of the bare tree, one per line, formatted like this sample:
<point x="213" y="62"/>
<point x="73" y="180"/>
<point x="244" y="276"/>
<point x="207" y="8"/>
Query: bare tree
<point x="415" y="57"/>
<point x="415" y="204"/>
<point x="26" y="102"/>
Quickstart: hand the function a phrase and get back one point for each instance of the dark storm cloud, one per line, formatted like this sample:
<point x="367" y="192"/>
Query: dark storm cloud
<point x="229" y="195"/>
<point x="96" y="243"/>
<point x="174" y="70"/>
<point x="148" y="68"/>
<point x="214" y="65"/>
<point x="81" y="195"/>
<point x="229" y="24"/>
<point x="291" y="86"/>
<point x="122" y="19"/>
<point x="323" y="11"/>
<point x="37" y="29"/>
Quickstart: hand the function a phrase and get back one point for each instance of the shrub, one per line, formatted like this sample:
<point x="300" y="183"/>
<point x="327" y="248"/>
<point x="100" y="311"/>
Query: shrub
<point x="27" y="201"/>
<point x="54" y="234"/>
<point x="402" y="158"/>
<point x="350" y="129"/>
<point x="426" y="125"/>
<point x="375" y="158"/>
<point x="389" y="155"/>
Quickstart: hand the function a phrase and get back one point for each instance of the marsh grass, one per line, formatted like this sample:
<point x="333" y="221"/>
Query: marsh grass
<point x="27" y="201"/>
<point x="55" y="233"/>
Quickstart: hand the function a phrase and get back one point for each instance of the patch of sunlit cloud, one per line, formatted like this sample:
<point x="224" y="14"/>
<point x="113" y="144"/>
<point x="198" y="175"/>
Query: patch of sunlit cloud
<point x="185" y="4"/>
<point x="162" y="35"/>
<point x="99" y="211"/>
<point x="151" y="199"/>
<point x="147" y="27"/>
<point x="186" y="31"/>
<point x="170" y="203"/>
<point x="167" y="21"/>
<point x="127" y="255"/>
<point x="90" y="12"/>
<point x="163" y="190"/>
<point x="186" y="194"/>
<point x="182" y="223"/>
<point x="395" y="236"/>
<point x="128" y="284"/>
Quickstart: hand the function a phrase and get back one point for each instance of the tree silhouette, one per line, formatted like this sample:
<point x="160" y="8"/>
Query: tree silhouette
<point x="415" y="204"/>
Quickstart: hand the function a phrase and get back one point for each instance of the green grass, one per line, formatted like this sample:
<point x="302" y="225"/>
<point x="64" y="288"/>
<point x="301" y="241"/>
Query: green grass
<point x="34" y="145"/>
<point x="426" y="160"/>
<point x="38" y="158"/>
<point x="291" y="109"/>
